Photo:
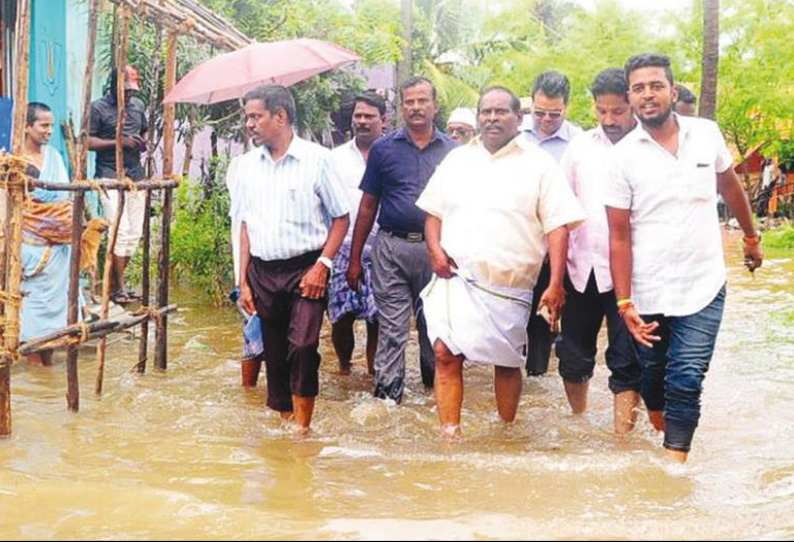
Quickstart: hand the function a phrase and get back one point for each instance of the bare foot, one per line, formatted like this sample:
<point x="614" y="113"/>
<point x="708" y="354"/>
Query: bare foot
<point x="345" y="369"/>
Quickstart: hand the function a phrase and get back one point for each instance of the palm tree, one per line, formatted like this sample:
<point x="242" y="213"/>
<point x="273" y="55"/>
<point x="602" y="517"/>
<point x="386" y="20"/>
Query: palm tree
<point x="711" y="55"/>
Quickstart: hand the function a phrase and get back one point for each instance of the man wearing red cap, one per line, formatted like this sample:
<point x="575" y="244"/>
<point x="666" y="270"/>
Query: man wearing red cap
<point x="102" y="139"/>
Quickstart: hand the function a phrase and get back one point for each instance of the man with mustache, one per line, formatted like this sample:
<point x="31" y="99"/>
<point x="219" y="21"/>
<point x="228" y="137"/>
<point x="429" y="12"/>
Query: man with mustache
<point x="552" y="132"/>
<point x="588" y="286"/>
<point x="346" y="305"/>
<point x="666" y="246"/>
<point x="397" y="171"/>
<point x="294" y="216"/>
<point x="490" y="205"/>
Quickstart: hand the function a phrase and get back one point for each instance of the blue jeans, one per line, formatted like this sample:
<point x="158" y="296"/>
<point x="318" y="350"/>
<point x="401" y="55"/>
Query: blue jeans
<point x="674" y="369"/>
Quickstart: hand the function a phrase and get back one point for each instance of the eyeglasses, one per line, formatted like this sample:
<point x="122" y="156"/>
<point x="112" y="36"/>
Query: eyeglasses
<point x="551" y="114"/>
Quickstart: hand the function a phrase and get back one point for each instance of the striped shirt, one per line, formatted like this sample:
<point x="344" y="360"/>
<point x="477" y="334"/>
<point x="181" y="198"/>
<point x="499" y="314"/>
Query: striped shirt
<point x="288" y="205"/>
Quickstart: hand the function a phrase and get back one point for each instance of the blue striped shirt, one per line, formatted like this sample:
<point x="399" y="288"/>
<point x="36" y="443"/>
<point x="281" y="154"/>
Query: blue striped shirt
<point x="288" y="204"/>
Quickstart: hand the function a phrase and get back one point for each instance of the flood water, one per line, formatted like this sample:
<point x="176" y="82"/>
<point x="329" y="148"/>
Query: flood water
<point x="189" y="454"/>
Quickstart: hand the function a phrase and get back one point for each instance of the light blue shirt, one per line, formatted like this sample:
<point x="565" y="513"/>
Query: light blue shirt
<point x="556" y="143"/>
<point x="288" y="204"/>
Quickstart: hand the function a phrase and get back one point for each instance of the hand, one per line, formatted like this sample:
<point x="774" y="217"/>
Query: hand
<point x="246" y="299"/>
<point x="314" y="282"/>
<point x="642" y="332"/>
<point x="753" y="257"/>
<point x="554" y="299"/>
<point x="354" y="272"/>
<point x="441" y="263"/>
<point x="132" y="142"/>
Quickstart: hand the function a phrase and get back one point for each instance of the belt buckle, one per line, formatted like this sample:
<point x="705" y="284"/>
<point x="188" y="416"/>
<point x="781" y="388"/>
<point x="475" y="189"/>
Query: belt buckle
<point x="414" y="237"/>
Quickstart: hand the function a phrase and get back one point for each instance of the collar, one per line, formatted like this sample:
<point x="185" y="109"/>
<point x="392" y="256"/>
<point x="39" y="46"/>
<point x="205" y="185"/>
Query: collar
<point x="402" y="133"/>
<point x="684" y="126"/>
<point x="517" y="144"/>
<point x="297" y="149"/>
<point x="563" y="132"/>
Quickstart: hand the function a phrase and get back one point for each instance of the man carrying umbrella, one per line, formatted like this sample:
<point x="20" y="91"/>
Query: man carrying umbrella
<point x="294" y="217"/>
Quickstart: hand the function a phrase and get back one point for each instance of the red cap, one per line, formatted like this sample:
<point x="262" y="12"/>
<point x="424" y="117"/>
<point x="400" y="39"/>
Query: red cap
<point x="131" y="79"/>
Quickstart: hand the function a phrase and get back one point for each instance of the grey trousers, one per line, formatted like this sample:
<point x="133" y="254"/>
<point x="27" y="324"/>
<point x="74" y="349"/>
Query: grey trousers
<point x="400" y="270"/>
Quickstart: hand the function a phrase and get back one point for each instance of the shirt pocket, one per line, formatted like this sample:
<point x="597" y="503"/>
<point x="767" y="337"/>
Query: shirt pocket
<point x="704" y="180"/>
<point x="301" y="205"/>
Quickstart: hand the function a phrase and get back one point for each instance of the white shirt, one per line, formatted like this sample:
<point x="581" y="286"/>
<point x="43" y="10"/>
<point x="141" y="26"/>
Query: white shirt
<point x="497" y="208"/>
<point x="677" y="262"/>
<point x="587" y="171"/>
<point x="287" y="205"/>
<point x="348" y="164"/>
<point x="235" y="211"/>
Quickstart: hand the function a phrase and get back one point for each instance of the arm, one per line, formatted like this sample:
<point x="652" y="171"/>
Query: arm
<point x="554" y="296"/>
<point x="732" y="192"/>
<point x="98" y="144"/>
<point x="367" y="210"/>
<point x="246" y="295"/>
<point x="315" y="281"/>
<point x="439" y="259"/>
<point x="620" y="266"/>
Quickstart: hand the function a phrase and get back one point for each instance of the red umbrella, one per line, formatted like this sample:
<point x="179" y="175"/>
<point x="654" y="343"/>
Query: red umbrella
<point x="231" y="75"/>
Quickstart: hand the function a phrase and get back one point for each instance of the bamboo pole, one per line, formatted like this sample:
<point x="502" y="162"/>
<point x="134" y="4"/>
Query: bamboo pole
<point x="107" y="184"/>
<point x="13" y="237"/>
<point x="72" y="375"/>
<point x="121" y="109"/>
<point x="95" y="329"/>
<point x="163" y="263"/>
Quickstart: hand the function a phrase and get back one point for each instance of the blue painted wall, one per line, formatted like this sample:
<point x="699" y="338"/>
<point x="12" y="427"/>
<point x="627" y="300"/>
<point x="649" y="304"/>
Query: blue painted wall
<point x="48" y="48"/>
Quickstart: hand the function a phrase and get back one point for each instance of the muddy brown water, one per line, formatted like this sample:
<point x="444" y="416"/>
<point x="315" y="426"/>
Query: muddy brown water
<point x="189" y="454"/>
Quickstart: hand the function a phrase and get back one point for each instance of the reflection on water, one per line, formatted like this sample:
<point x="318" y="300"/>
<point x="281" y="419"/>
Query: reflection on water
<point x="190" y="454"/>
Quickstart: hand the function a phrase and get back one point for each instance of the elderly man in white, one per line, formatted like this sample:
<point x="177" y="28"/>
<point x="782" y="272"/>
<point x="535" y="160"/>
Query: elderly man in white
<point x="490" y="205"/>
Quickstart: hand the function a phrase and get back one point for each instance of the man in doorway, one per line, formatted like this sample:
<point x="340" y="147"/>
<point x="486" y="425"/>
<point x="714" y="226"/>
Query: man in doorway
<point x="491" y="204"/>
<point x="665" y="242"/>
<point x="398" y="168"/>
<point x="346" y="305"/>
<point x="552" y="132"/>
<point x="102" y="139"/>
<point x="294" y="217"/>
<point x="589" y="293"/>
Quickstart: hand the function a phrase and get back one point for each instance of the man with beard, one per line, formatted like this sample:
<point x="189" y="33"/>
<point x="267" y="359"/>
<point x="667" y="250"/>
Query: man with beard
<point x="397" y="171"/>
<point x="490" y="205"/>
<point x="294" y="216"/>
<point x="666" y="247"/>
<point x="588" y="286"/>
<point x="346" y="305"/>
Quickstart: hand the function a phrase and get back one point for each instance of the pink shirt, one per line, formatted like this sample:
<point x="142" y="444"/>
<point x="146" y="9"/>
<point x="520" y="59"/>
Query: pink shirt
<point x="586" y="167"/>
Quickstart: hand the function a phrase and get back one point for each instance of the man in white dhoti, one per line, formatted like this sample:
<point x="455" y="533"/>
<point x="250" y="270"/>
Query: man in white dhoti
<point x="490" y="205"/>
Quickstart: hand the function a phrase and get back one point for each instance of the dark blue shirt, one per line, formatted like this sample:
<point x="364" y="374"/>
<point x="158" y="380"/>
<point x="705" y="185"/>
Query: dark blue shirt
<point x="397" y="172"/>
<point x="104" y="116"/>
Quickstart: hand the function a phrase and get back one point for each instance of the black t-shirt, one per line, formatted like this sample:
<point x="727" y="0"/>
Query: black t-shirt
<point x="103" y="126"/>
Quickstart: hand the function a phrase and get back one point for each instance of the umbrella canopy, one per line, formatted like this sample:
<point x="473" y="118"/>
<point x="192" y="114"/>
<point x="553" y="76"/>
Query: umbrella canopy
<point x="231" y="75"/>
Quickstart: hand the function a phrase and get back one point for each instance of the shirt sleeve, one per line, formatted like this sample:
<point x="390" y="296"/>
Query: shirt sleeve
<point x="724" y="159"/>
<point x="558" y="205"/>
<point x="96" y="120"/>
<point x="431" y="200"/>
<point x="568" y="165"/>
<point x="617" y="190"/>
<point x="371" y="182"/>
<point x="332" y="192"/>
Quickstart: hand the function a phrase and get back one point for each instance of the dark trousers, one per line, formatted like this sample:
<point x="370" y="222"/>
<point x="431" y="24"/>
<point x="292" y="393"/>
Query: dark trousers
<point x="540" y="335"/>
<point x="290" y="328"/>
<point x="584" y="314"/>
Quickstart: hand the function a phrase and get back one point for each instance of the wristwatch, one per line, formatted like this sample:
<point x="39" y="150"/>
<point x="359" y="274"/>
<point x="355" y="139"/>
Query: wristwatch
<point x="327" y="262"/>
<point x="752" y="239"/>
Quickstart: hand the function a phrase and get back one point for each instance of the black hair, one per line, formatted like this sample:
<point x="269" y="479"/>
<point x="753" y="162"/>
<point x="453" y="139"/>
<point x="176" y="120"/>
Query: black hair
<point x="610" y="81"/>
<point x="685" y="95"/>
<point x="515" y="103"/>
<point x="553" y="84"/>
<point x="273" y="98"/>
<point x="416" y="81"/>
<point x="34" y="108"/>
<point x="370" y="98"/>
<point x="649" y="60"/>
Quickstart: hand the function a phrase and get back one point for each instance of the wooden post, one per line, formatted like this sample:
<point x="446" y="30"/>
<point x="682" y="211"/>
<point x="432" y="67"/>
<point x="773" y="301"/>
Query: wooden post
<point x="72" y="379"/>
<point x="163" y="263"/>
<point x="154" y="78"/>
<point x="13" y="237"/>
<point x="121" y="108"/>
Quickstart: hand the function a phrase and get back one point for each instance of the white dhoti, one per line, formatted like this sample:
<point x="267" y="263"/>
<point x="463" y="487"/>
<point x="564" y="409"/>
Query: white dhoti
<point x="485" y="323"/>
